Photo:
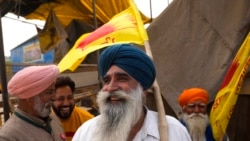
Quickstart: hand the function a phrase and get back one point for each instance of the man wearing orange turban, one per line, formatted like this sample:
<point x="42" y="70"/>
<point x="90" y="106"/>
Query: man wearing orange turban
<point x="34" y="88"/>
<point x="193" y="94"/>
<point x="194" y="117"/>
<point x="194" y="102"/>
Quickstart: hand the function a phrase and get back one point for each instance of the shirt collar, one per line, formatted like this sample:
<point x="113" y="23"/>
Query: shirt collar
<point x="150" y="126"/>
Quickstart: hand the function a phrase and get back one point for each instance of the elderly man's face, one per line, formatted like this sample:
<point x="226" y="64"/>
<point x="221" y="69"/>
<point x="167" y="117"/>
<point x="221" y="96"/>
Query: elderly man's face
<point x="196" y="119"/>
<point x="195" y="107"/>
<point x="43" y="101"/>
<point x="118" y="79"/>
<point x="121" y="105"/>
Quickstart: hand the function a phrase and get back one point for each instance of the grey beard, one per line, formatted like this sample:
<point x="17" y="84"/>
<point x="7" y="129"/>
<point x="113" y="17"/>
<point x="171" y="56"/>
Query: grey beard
<point x="43" y="111"/>
<point x="196" y="125"/>
<point x="117" y="120"/>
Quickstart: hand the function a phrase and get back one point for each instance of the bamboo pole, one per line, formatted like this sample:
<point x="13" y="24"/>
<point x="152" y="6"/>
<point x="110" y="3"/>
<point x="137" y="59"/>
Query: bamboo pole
<point x="221" y="137"/>
<point x="163" y="128"/>
<point x="5" y="97"/>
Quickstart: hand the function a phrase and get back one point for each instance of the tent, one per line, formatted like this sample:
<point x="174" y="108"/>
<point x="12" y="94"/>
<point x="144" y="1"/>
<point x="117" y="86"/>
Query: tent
<point x="66" y="11"/>
<point x="194" y="43"/>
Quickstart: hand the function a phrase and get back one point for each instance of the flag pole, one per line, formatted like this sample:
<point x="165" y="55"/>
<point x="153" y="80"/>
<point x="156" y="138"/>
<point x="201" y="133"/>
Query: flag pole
<point x="221" y="137"/>
<point x="5" y="97"/>
<point x="163" y="128"/>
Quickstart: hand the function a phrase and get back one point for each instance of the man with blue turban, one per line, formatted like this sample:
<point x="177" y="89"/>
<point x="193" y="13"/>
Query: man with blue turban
<point x="127" y="72"/>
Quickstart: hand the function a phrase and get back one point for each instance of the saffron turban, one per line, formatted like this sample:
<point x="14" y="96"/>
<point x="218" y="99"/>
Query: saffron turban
<point x="131" y="59"/>
<point x="32" y="80"/>
<point x="193" y="94"/>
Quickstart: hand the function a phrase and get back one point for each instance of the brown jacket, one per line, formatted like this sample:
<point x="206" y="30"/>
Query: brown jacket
<point x="23" y="127"/>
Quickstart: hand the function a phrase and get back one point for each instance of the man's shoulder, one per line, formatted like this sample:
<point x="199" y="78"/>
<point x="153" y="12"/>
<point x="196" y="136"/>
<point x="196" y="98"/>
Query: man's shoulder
<point x="82" y="111"/>
<point x="79" y="109"/>
<point x="177" y="130"/>
<point x="155" y="114"/>
<point x="171" y="120"/>
<point x="89" y="124"/>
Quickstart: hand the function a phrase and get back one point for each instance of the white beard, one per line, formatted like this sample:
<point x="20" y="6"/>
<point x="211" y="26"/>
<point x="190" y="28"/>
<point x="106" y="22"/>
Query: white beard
<point x="42" y="110"/>
<point x="117" y="120"/>
<point x="196" y="125"/>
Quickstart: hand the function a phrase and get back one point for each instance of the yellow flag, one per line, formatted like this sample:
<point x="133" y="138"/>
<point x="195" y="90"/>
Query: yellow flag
<point x="138" y="18"/>
<point x="124" y="27"/>
<point x="226" y="98"/>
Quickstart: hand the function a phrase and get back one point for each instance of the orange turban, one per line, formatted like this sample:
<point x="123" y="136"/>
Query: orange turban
<point x="32" y="80"/>
<point x="193" y="94"/>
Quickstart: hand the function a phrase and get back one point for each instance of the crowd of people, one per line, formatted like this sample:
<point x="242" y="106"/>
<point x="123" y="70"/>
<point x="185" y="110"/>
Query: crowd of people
<point x="46" y="109"/>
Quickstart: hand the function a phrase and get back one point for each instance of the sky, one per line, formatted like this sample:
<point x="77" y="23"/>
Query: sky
<point x="17" y="30"/>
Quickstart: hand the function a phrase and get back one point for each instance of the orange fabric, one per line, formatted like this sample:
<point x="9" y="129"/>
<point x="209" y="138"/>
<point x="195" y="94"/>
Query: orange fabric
<point x="77" y="118"/>
<point x="193" y="94"/>
<point x="68" y="10"/>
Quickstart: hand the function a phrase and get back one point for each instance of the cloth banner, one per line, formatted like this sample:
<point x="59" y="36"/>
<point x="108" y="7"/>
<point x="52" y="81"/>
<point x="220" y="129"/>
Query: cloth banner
<point x="226" y="98"/>
<point x="52" y="34"/>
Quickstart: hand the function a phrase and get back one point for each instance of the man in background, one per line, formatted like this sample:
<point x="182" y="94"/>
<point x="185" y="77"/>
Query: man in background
<point x="64" y="106"/>
<point x="193" y="102"/>
<point x="34" y="88"/>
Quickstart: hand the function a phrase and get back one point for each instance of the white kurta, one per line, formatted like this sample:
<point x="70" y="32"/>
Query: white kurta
<point x="148" y="132"/>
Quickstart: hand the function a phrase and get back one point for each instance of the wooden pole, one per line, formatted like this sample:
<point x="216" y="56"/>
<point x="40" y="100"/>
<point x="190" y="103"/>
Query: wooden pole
<point x="5" y="98"/>
<point x="163" y="128"/>
<point x="221" y="137"/>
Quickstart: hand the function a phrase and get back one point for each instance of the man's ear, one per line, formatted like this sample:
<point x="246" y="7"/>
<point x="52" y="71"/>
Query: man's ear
<point x="148" y="91"/>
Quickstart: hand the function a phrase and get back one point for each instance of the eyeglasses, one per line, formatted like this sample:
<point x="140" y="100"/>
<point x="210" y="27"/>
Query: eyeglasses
<point x="61" y="99"/>
<point x="199" y="105"/>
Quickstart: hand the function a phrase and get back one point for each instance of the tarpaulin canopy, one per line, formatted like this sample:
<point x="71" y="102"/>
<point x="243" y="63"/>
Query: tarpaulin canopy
<point x="66" y="20"/>
<point x="67" y="10"/>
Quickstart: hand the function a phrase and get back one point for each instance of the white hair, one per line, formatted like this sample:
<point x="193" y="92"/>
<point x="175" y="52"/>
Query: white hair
<point x="196" y="124"/>
<point x="42" y="110"/>
<point x="117" y="120"/>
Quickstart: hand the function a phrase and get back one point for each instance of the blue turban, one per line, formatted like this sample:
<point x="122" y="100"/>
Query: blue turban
<point x="132" y="60"/>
